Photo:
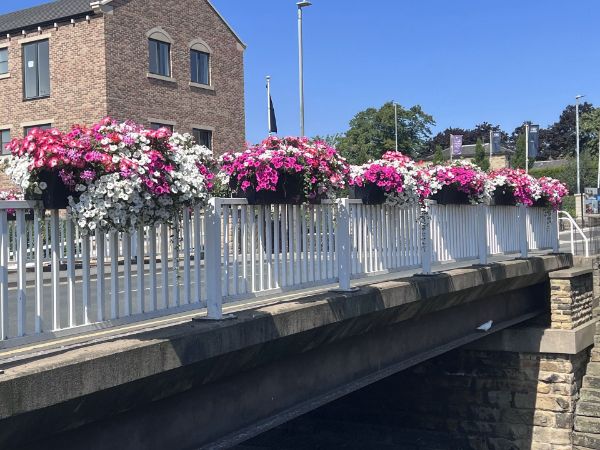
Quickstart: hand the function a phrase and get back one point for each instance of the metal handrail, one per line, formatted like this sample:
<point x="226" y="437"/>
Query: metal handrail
<point x="568" y="218"/>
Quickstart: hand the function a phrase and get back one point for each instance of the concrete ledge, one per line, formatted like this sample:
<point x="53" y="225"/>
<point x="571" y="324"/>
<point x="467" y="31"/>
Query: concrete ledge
<point x="572" y="272"/>
<point x="540" y="340"/>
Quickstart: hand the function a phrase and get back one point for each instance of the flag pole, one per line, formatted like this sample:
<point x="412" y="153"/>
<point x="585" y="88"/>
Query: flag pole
<point x="269" y="104"/>
<point x="451" y="149"/>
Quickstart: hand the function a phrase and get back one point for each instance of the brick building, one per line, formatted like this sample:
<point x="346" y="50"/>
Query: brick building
<point x="174" y="63"/>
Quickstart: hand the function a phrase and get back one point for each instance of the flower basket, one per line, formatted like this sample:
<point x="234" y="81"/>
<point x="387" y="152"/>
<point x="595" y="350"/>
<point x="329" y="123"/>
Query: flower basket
<point x="289" y="191"/>
<point x="450" y="195"/>
<point x="370" y="194"/>
<point x="503" y="197"/>
<point x="56" y="195"/>
<point x="541" y="203"/>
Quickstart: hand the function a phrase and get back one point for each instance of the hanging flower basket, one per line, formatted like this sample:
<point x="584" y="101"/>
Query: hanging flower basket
<point x="450" y="195"/>
<point x="56" y="194"/>
<point x="502" y="196"/>
<point x="370" y="194"/>
<point x="288" y="191"/>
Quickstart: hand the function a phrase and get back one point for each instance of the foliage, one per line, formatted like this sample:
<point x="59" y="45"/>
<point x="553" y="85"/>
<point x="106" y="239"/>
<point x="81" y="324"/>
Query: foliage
<point x="438" y="155"/>
<point x="481" y="157"/>
<point x="558" y="140"/>
<point x="518" y="159"/>
<point x="372" y="132"/>
<point x="470" y="136"/>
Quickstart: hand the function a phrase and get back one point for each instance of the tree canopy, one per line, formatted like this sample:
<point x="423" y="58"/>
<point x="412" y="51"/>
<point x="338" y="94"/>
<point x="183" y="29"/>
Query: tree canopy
<point x="372" y="132"/>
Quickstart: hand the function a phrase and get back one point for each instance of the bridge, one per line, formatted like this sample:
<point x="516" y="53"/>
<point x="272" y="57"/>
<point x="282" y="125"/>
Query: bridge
<point x="297" y="307"/>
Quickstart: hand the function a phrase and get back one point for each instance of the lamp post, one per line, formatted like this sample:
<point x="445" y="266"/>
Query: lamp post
<point x="577" y="141"/>
<point x="396" y="123"/>
<point x="301" y="5"/>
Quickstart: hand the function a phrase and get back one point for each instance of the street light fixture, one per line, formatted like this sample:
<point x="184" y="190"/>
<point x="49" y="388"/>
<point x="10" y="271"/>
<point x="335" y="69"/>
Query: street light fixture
<point x="577" y="98"/>
<point x="301" y="5"/>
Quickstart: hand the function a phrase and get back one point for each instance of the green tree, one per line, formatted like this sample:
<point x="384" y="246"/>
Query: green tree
<point x="372" y="132"/>
<point x="518" y="159"/>
<point x="481" y="157"/>
<point x="330" y="139"/>
<point x="438" y="155"/>
<point x="590" y="124"/>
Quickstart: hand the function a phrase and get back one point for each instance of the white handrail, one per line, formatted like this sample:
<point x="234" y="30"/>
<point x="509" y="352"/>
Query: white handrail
<point x="574" y="225"/>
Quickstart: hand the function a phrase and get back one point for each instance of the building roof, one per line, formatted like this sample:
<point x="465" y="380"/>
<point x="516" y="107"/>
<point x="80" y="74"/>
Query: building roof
<point x="46" y="13"/>
<point x="58" y="10"/>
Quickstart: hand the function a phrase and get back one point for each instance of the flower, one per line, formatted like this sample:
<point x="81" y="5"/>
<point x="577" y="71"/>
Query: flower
<point x="525" y="189"/>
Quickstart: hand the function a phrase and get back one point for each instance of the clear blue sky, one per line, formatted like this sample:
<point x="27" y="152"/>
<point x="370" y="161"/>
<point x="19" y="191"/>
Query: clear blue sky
<point x="464" y="61"/>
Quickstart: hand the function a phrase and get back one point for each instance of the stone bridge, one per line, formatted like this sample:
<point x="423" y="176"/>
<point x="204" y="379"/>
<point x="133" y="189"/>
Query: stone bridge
<point x="527" y="378"/>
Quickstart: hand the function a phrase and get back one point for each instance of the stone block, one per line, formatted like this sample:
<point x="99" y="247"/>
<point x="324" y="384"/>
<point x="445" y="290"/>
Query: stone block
<point x="586" y="440"/>
<point x="589" y="395"/>
<point x="587" y="424"/>
<point x="589" y="409"/>
<point x="551" y="435"/>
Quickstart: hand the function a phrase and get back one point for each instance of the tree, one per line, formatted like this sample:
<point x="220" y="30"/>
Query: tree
<point x="558" y="140"/>
<point x="518" y="159"/>
<point x="372" y="132"/>
<point x="332" y="140"/>
<point x="438" y="155"/>
<point x="590" y="124"/>
<point x="481" y="157"/>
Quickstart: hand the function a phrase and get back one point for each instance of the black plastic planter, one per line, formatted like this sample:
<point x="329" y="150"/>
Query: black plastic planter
<point x="56" y="195"/>
<point x="290" y="191"/>
<point x="370" y="194"/>
<point x="450" y="195"/>
<point x="503" y="197"/>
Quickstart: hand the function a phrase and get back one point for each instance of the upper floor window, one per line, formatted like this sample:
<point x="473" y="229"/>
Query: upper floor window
<point x="159" y="50"/>
<point x="200" y="62"/>
<point x="36" y="69"/>
<point x="44" y="126"/>
<point x="4" y="140"/>
<point x="157" y="126"/>
<point x="3" y="61"/>
<point x="203" y="137"/>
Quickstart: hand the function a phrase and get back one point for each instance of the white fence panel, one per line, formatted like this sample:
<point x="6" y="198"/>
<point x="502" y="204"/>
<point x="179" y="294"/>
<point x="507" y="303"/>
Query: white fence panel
<point x="454" y="232"/>
<point x="540" y="230"/>
<point x="503" y="230"/>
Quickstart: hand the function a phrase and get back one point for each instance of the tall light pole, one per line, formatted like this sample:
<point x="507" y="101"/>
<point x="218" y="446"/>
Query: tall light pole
<point x="577" y="142"/>
<point x="526" y="147"/>
<point x="396" y="122"/>
<point x="301" y="5"/>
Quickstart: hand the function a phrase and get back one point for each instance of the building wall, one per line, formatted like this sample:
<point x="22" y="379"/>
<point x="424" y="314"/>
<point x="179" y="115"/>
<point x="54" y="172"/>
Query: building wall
<point x="133" y="95"/>
<point x="77" y="80"/>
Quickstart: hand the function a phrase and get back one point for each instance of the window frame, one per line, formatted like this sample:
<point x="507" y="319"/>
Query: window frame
<point x="43" y="126"/>
<point x="168" y="67"/>
<point x="7" y="62"/>
<point x="158" y="125"/>
<point x="193" y="54"/>
<point x="38" y="76"/>
<point x="3" y="144"/>
<point x="204" y="130"/>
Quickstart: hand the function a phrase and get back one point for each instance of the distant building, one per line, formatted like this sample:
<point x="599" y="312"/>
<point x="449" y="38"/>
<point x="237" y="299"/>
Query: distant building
<point x="550" y="164"/>
<point x="173" y="63"/>
<point x="499" y="159"/>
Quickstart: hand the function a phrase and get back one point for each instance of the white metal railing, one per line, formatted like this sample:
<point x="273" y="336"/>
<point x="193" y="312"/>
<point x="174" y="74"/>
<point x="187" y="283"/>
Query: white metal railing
<point x="564" y="216"/>
<point x="54" y="280"/>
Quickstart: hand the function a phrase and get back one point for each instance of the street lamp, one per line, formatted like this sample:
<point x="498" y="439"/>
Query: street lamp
<point x="301" y="5"/>
<point x="396" y="123"/>
<point x="577" y="141"/>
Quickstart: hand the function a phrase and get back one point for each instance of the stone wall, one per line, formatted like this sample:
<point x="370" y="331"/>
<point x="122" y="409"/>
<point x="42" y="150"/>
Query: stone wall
<point x="572" y="299"/>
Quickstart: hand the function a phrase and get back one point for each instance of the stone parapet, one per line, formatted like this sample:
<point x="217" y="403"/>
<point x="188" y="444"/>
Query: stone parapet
<point x="572" y="297"/>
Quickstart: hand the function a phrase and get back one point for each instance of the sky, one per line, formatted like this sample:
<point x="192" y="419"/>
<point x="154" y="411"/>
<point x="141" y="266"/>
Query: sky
<point x="463" y="61"/>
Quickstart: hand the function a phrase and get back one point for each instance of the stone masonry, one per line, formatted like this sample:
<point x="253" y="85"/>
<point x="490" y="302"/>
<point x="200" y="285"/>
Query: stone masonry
<point x="572" y="298"/>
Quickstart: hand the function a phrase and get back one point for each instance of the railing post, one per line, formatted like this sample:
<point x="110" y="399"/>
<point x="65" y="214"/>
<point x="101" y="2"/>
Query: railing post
<point x="523" y="231"/>
<point x="212" y="255"/>
<point x="426" y="247"/>
<point x="483" y="244"/>
<point x="343" y="242"/>
<point x="555" y="232"/>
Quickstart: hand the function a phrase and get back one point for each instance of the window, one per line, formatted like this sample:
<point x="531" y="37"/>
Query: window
<point x="156" y="126"/>
<point x="36" y="70"/>
<point x="4" y="140"/>
<point x="3" y="61"/>
<point x="45" y="126"/>
<point x="200" y="67"/>
<point x="160" y="57"/>
<point x="203" y="137"/>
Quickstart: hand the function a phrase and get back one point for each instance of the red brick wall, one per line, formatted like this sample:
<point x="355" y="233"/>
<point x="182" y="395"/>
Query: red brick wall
<point x="77" y="80"/>
<point x="132" y="95"/>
